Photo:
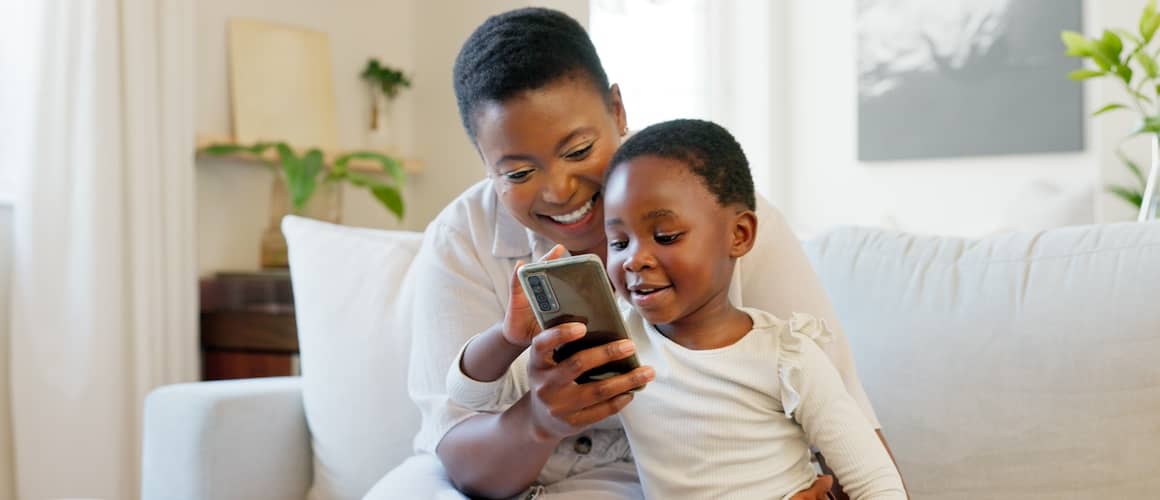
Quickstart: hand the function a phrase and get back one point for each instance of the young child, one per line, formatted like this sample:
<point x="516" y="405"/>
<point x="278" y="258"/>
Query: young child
<point x="738" y="394"/>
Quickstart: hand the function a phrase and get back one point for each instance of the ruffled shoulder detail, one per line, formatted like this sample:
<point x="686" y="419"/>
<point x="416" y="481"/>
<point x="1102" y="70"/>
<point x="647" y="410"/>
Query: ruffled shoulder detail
<point x="799" y="329"/>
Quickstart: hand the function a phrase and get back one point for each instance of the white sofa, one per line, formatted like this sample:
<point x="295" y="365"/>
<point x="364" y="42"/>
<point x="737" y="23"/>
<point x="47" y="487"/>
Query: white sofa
<point x="1022" y="364"/>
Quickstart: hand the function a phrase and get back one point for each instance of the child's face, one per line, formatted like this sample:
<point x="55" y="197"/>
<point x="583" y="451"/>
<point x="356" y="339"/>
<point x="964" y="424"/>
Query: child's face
<point x="671" y="245"/>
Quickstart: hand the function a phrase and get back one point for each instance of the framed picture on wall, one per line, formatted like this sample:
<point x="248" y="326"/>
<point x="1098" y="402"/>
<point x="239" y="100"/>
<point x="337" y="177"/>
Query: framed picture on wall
<point x="957" y="78"/>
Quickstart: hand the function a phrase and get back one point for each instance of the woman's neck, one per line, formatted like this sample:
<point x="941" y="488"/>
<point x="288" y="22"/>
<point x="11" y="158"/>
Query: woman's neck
<point x="714" y="325"/>
<point x="600" y="250"/>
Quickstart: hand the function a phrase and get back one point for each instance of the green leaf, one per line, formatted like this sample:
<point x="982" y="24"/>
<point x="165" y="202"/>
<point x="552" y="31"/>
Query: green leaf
<point x="390" y="198"/>
<point x="312" y="163"/>
<point x="1134" y="168"/>
<point x="1084" y="74"/>
<point x="1102" y="61"/>
<point x="1149" y="21"/>
<point x="1107" y="108"/>
<point x="391" y="166"/>
<point x="1135" y="198"/>
<point x="1077" y="45"/>
<point x="360" y="180"/>
<point x="1110" y="46"/>
<point x="259" y="148"/>
<point x="1125" y="74"/>
<point x="225" y="149"/>
<point x="1150" y="67"/>
<point x="299" y="183"/>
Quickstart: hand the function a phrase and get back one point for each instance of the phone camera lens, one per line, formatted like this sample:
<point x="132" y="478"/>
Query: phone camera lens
<point x="534" y="281"/>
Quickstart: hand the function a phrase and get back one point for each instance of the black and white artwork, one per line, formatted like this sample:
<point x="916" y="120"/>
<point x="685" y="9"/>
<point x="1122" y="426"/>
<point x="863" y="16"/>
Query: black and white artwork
<point x="953" y="78"/>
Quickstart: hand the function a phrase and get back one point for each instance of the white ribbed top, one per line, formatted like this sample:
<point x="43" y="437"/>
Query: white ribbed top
<point x="717" y="423"/>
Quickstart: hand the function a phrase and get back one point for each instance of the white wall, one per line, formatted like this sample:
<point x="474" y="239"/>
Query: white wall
<point x="233" y="197"/>
<point x="6" y="485"/>
<point x="827" y="185"/>
<point x="420" y="36"/>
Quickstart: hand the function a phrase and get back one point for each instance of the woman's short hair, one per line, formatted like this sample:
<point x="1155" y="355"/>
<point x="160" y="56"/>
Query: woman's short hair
<point x="521" y="50"/>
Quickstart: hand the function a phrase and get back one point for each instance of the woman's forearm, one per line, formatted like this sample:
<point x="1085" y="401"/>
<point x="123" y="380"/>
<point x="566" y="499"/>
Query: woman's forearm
<point x="495" y="455"/>
<point x="488" y="356"/>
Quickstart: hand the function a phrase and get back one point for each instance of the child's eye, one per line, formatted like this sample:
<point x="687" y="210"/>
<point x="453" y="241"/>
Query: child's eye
<point x="579" y="154"/>
<point x="667" y="239"/>
<point x="518" y="175"/>
<point x="617" y="244"/>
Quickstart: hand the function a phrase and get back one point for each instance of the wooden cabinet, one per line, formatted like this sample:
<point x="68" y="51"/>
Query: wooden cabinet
<point x="247" y="326"/>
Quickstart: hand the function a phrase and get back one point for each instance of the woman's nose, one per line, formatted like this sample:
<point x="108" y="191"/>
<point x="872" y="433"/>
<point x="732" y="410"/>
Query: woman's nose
<point x="559" y="188"/>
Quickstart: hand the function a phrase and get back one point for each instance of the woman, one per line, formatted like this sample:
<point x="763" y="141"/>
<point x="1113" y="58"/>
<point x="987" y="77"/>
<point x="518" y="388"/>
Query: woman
<point x="537" y="104"/>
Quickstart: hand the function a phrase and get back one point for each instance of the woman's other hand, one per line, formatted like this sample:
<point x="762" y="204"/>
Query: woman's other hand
<point x="820" y="490"/>
<point x="560" y="407"/>
<point x="519" y="323"/>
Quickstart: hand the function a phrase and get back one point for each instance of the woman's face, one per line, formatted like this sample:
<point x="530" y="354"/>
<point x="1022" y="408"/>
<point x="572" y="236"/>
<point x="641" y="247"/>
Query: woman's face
<point x="546" y="151"/>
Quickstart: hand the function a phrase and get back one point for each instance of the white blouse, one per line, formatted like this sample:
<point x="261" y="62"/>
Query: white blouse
<point x="460" y="280"/>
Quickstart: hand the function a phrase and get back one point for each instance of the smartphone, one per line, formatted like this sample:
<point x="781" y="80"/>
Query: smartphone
<point x="576" y="289"/>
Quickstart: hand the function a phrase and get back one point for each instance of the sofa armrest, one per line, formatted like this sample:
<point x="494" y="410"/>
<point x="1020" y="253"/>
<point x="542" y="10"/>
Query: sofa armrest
<point x="238" y="439"/>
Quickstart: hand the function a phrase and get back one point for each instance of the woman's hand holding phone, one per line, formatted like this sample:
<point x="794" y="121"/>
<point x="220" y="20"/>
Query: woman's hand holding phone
<point x="560" y="406"/>
<point x="519" y="323"/>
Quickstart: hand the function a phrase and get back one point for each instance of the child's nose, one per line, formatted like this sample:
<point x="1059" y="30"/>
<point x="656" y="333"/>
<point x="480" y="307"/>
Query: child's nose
<point x="638" y="260"/>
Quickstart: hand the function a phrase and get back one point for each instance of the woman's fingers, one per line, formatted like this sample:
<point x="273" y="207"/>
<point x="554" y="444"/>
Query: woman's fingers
<point x="519" y="322"/>
<point x="597" y="356"/>
<point x="599" y="411"/>
<point x="555" y="253"/>
<point x="610" y="388"/>
<point x="545" y="344"/>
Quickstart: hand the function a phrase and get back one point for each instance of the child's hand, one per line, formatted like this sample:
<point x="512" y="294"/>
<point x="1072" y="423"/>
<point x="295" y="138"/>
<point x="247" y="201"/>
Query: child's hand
<point x="519" y="324"/>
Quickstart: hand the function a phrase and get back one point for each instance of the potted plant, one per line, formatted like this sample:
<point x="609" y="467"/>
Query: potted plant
<point x="384" y="83"/>
<point x="1129" y="58"/>
<point x="298" y="179"/>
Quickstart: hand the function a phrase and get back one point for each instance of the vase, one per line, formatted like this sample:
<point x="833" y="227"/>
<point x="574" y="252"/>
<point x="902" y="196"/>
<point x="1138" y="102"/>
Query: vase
<point x="1150" y="206"/>
<point x="325" y="205"/>
<point x="380" y="135"/>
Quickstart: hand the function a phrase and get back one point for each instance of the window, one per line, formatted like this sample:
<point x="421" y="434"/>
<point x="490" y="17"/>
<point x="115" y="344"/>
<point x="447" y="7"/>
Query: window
<point x="657" y="51"/>
<point x="19" y="48"/>
<point x="713" y="60"/>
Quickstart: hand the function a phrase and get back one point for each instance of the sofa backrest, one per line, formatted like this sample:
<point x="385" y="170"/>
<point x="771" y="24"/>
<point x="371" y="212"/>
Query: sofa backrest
<point x="1025" y="363"/>
<point x="354" y="351"/>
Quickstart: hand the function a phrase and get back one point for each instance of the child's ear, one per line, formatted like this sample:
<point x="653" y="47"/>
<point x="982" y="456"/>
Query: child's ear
<point x="744" y="233"/>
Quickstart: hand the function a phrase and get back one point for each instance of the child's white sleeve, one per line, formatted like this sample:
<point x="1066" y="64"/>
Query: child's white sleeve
<point x="495" y="396"/>
<point x="813" y="394"/>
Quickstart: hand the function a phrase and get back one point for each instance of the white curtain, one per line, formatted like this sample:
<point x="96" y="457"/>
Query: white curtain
<point x="104" y="276"/>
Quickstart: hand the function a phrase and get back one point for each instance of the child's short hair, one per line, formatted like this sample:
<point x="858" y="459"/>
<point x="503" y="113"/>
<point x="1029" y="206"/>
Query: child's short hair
<point x="521" y="50"/>
<point x="706" y="148"/>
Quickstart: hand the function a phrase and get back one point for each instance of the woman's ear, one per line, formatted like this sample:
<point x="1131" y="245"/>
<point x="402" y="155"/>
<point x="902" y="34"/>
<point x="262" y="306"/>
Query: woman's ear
<point x="744" y="233"/>
<point x="618" y="110"/>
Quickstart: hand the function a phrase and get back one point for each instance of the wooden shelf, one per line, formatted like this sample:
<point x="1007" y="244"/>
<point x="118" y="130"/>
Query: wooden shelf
<point x="410" y="165"/>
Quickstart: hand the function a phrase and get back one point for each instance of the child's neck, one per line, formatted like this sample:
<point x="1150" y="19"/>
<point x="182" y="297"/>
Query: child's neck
<point x="714" y="325"/>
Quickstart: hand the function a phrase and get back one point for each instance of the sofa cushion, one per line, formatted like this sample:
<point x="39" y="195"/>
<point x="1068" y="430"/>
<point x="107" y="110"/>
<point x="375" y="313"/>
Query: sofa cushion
<point x="1023" y="363"/>
<point x="354" y="351"/>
